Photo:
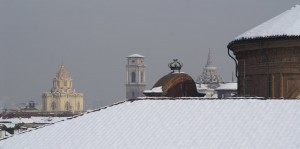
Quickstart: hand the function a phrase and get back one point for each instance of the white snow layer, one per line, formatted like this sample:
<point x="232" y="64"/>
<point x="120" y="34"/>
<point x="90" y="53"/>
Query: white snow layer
<point x="287" y="23"/>
<point x="154" y="90"/>
<point x="227" y="86"/>
<point x="136" y="55"/>
<point x="213" y="124"/>
<point x="32" y="120"/>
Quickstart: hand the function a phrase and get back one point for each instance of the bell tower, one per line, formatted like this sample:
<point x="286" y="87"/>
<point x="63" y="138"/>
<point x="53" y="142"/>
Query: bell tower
<point x="135" y="69"/>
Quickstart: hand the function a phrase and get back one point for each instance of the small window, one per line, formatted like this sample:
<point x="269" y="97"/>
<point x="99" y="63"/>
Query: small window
<point x="53" y="105"/>
<point x="68" y="106"/>
<point x="133" y="76"/>
<point x="133" y="94"/>
<point x="142" y="77"/>
<point x="65" y="83"/>
<point x="78" y="106"/>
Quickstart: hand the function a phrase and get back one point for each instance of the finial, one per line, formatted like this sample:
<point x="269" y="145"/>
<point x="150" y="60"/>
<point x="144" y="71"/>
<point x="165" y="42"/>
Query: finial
<point x="175" y="65"/>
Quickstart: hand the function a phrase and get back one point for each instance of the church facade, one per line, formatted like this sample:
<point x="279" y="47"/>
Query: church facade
<point x="63" y="97"/>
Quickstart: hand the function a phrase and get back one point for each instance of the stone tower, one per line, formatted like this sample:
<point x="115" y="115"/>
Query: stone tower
<point x="62" y="97"/>
<point x="209" y="74"/>
<point x="135" y="69"/>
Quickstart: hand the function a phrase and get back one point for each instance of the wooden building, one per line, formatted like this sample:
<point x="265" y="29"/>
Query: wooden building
<point x="268" y="57"/>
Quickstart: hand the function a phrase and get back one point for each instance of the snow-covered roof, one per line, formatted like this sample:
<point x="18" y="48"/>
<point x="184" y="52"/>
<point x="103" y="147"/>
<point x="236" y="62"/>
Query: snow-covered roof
<point x="34" y="119"/>
<point x="201" y="86"/>
<point x="285" y="24"/>
<point x="11" y="122"/>
<point x="136" y="55"/>
<point x="154" y="90"/>
<point x="227" y="86"/>
<point x="179" y="123"/>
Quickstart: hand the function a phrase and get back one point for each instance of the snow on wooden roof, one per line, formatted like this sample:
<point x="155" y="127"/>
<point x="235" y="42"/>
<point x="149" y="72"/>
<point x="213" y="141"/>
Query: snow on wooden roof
<point x="285" y="24"/>
<point x="174" y="123"/>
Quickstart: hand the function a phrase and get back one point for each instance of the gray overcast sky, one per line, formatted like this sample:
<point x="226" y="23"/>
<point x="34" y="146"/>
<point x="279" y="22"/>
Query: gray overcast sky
<point x="92" y="38"/>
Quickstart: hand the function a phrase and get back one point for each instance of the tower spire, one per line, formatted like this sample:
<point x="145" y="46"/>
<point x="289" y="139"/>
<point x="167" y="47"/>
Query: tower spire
<point x="209" y="74"/>
<point x="209" y="61"/>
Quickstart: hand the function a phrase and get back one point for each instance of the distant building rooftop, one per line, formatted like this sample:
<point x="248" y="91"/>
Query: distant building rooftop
<point x="135" y="55"/>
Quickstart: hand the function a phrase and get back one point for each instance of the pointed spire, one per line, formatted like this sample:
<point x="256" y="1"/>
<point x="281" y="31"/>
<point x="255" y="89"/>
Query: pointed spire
<point x="209" y="61"/>
<point x="209" y="74"/>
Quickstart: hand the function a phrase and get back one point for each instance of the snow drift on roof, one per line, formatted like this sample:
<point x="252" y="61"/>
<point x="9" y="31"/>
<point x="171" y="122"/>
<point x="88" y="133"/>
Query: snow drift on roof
<point x="226" y="124"/>
<point x="136" y="55"/>
<point x="227" y="86"/>
<point x="154" y="90"/>
<point x="285" y="24"/>
<point x="12" y="122"/>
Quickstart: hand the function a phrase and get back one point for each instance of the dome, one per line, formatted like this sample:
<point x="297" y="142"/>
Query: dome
<point x="174" y="85"/>
<point x="62" y="73"/>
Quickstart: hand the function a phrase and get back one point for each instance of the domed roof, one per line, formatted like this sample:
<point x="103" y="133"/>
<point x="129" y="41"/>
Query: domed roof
<point x="285" y="24"/>
<point x="172" y="78"/>
<point x="175" y="85"/>
<point x="62" y="73"/>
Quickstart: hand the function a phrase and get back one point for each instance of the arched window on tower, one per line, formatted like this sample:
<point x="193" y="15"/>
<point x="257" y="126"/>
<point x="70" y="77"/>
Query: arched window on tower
<point x="142" y="77"/>
<point x="68" y="106"/>
<point x="133" y="76"/>
<point x="53" y="105"/>
<point x="78" y="106"/>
